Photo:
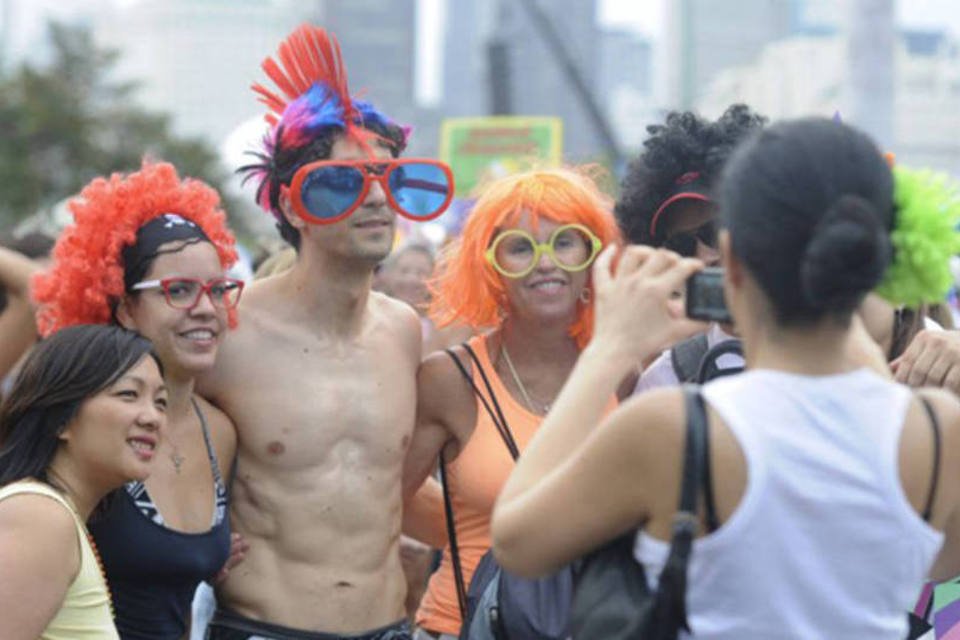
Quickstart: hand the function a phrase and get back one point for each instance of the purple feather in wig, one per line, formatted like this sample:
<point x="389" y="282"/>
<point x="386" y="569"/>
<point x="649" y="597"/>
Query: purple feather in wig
<point x="318" y="109"/>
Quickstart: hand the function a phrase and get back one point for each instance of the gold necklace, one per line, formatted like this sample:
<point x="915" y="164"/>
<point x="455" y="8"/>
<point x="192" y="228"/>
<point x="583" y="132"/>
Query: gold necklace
<point x="516" y="379"/>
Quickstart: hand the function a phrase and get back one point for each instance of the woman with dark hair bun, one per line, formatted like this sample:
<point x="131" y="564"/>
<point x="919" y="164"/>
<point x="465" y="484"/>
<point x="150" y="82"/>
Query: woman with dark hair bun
<point x="833" y="491"/>
<point x="84" y="417"/>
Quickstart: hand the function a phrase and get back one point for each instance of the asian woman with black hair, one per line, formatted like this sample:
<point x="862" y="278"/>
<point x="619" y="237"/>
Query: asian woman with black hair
<point x="84" y="417"/>
<point x="836" y="493"/>
<point x="149" y="251"/>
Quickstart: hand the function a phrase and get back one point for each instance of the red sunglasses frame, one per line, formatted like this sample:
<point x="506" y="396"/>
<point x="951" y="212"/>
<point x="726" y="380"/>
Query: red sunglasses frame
<point x="364" y="166"/>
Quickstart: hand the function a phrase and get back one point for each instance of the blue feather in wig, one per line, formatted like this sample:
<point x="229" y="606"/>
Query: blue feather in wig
<point x="318" y="109"/>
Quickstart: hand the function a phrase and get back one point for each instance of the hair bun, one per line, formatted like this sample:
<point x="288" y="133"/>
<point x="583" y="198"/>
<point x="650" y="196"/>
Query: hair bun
<point x="846" y="256"/>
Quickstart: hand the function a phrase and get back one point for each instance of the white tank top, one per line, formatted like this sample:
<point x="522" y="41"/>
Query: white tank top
<point x="824" y="543"/>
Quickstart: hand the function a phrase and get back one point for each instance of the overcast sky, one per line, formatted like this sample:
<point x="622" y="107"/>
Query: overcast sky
<point x="647" y="16"/>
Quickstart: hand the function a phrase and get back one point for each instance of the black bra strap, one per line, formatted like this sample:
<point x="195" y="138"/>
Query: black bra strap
<point x="935" y="476"/>
<point x="211" y="452"/>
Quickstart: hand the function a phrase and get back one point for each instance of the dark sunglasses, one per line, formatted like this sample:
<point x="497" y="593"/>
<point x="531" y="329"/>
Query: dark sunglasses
<point x="685" y="242"/>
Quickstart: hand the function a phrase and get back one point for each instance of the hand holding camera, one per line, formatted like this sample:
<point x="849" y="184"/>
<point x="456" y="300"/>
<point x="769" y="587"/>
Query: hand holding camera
<point x="637" y="312"/>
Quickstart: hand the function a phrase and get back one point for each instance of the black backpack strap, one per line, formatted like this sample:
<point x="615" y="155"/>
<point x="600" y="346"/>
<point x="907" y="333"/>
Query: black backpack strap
<point x="686" y="357"/>
<point x="935" y="475"/>
<point x="671" y="613"/>
<point x="708" y="369"/>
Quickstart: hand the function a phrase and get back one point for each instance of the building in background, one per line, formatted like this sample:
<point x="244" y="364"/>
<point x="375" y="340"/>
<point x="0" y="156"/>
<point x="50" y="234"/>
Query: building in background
<point x="705" y="37"/>
<point x="625" y="89"/>
<point x="495" y="61"/>
<point x="196" y="59"/>
<point x="805" y="75"/>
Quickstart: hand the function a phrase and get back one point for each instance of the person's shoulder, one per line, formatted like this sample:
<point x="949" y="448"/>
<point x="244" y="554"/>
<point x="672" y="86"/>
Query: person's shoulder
<point x="396" y="312"/>
<point x="256" y="313"/>
<point x="39" y="535"/>
<point x="659" y="374"/>
<point x="37" y="514"/>
<point x="259" y="295"/>
<point x="945" y="406"/>
<point x="444" y="394"/>
<point x="655" y="415"/>
<point x="440" y="378"/>
<point x="439" y="366"/>
<point x="391" y="306"/>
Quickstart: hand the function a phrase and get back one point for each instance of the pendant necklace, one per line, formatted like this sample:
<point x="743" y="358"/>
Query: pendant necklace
<point x="176" y="458"/>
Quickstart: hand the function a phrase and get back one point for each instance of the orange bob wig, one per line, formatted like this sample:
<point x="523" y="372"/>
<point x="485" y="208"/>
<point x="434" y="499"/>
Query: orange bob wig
<point x="468" y="289"/>
<point x="85" y="281"/>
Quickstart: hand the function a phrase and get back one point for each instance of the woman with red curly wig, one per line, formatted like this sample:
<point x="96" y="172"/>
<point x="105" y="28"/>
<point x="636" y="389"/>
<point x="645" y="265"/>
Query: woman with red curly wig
<point x="520" y="271"/>
<point x="149" y="251"/>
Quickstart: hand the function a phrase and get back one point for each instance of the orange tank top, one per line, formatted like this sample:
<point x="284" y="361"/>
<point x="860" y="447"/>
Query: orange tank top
<point x="475" y="480"/>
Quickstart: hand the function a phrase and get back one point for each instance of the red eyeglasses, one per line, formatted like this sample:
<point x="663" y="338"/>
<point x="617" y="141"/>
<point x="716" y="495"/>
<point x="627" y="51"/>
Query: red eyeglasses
<point x="328" y="191"/>
<point x="184" y="293"/>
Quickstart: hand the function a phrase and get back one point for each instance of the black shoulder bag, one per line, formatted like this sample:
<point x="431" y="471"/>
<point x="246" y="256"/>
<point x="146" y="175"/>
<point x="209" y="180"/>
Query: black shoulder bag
<point x="612" y="599"/>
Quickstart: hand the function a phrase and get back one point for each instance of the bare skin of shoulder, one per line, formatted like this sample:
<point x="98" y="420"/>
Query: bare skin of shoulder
<point x="323" y="422"/>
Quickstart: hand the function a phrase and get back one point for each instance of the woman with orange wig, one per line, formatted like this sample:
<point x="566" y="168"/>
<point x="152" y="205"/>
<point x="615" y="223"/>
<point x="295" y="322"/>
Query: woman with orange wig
<point x="520" y="271"/>
<point x="149" y="252"/>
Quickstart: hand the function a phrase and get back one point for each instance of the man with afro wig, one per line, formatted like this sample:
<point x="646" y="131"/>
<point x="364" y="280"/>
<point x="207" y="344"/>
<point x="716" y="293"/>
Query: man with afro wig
<point x="666" y="201"/>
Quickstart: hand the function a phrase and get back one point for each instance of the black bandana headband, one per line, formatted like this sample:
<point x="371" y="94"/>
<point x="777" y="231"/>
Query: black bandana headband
<point x="165" y="228"/>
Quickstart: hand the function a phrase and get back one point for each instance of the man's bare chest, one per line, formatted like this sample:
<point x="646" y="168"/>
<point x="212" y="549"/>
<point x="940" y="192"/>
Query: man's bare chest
<point x="305" y="405"/>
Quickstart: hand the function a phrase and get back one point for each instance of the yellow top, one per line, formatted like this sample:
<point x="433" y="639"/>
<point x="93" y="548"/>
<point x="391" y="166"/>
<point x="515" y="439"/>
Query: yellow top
<point x="85" y="612"/>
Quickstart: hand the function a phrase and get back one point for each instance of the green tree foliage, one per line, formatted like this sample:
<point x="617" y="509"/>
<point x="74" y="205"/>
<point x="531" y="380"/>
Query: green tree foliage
<point x="66" y="123"/>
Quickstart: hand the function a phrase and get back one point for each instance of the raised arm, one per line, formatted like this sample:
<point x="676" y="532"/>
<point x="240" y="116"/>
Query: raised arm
<point x="18" y="328"/>
<point x="572" y="465"/>
<point x="16" y="270"/>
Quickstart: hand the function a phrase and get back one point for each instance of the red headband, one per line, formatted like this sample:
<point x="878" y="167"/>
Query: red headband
<point x="684" y="192"/>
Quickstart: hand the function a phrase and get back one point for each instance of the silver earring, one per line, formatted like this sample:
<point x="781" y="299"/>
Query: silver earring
<point x="585" y="295"/>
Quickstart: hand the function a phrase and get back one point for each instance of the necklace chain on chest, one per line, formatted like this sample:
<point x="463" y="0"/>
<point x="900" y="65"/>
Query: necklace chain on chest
<point x="536" y="408"/>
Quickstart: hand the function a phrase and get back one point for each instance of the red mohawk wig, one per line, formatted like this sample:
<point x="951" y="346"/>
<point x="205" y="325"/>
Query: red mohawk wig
<point x="86" y="278"/>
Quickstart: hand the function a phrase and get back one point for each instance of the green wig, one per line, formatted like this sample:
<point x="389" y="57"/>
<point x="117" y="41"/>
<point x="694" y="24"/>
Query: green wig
<point x="924" y="237"/>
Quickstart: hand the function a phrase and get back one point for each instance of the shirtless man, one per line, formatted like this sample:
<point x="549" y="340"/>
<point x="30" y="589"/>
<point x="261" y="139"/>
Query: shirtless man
<point x="320" y="375"/>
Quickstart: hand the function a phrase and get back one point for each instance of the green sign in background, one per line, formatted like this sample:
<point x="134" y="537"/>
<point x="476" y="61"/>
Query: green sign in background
<point x="482" y="148"/>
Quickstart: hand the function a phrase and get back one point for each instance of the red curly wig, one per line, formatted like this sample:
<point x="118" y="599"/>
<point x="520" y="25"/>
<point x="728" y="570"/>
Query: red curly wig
<point x="86" y="278"/>
<point x="468" y="289"/>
